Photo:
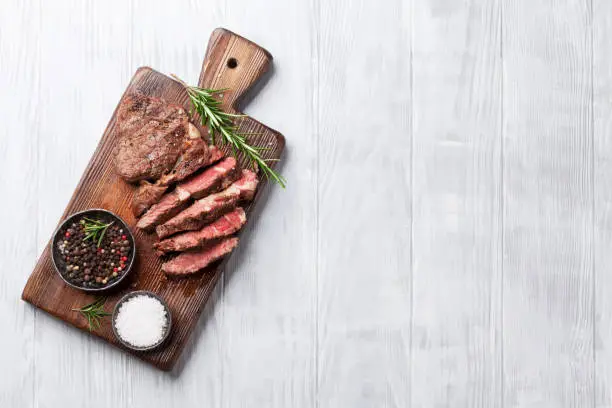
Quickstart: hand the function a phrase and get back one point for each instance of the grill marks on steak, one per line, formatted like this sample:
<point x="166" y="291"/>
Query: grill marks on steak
<point x="191" y="262"/>
<point x="225" y="226"/>
<point x="209" y="208"/>
<point x="152" y="135"/>
<point x="212" y="179"/>
<point x="148" y="193"/>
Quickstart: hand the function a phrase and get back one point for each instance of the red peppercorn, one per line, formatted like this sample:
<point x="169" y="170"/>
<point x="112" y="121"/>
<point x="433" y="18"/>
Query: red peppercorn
<point x="123" y="237"/>
<point x="124" y="258"/>
<point x="115" y="269"/>
<point x="67" y="234"/>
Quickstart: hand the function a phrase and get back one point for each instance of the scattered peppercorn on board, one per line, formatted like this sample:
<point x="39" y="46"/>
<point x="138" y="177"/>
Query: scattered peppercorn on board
<point x="231" y="62"/>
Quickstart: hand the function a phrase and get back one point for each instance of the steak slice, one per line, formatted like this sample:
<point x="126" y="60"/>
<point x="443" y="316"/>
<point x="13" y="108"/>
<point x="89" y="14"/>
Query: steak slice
<point x="149" y="193"/>
<point x="212" y="179"/>
<point x="198" y="214"/>
<point x="247" y="184"/>
<point x="197" y="156"/>
<point x="222" y="227"/>
<point x="145" y="196"/>
<point x="152" y="135"/>
<point x="215" y="178"/>
<point x="209" y="208"/>
<point x="170" y="204"/>
<point x="190" y="262"/>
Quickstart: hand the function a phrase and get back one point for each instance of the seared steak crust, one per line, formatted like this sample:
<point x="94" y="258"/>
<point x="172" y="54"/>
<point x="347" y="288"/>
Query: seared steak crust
<point x="152" y="136"/>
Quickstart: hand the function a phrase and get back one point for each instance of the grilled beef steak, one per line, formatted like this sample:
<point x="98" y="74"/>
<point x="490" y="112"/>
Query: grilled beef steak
<point x="197" y="156"/>
<point x="222" y="227"/>
<point x="213" y="179"/>
<point x="208" y="209"/>
<point x="152" y="137"/>
<point x="193" y="158"/>
<point x="149" y="193"/>
<point x="198" y="214"/>
<point x="190" y="262"/>
<point x="145" y="196"/>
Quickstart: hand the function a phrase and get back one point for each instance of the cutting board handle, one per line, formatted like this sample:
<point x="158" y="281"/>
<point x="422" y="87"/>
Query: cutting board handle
<point x="233" y="63"/>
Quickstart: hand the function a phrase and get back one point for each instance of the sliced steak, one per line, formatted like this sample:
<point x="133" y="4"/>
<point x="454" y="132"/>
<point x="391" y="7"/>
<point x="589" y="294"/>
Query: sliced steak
<point x="198" y="214"/>
<point x="209" y="208"/>
<point x="171" y="204"/>
<point x="152" y="136"/>
<point x="149" y="193"/>
<point x="210" y="180"/>
<point x="145" y="196"/>
<point x="197" y="156"/>
<point x="215" y="178"/>
<point x="225" y="226"/>
<point x="191" y="262"/>
<point x="247" y="184"/>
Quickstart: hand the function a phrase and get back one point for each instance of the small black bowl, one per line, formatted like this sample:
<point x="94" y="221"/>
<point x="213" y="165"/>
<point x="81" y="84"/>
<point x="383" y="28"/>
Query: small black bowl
<point x="141" y="293"/>
<point x="96" y="213"/>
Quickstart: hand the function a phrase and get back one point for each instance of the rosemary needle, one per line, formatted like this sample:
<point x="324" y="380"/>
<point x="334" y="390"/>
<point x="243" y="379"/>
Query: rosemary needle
<point x="206" y="103"/>
<point x="95" y="229"/>
<point x="93" y="312"/>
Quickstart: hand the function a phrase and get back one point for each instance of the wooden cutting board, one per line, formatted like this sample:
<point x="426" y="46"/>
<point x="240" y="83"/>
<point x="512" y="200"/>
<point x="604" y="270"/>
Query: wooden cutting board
<point x="231" y="62"/>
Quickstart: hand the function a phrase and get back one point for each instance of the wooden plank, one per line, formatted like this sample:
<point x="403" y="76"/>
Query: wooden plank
<point x="19" y="159"/>
<point x="267" y="308"/>
<point x="602" y="156"/>
<point x="75" y="48"/>
<point x="364" y="198"/>
<point x="548" y="200"/>
<point x="457" y="204"/>
<point x="101" y="187"/>
<point x="160" y="39"/>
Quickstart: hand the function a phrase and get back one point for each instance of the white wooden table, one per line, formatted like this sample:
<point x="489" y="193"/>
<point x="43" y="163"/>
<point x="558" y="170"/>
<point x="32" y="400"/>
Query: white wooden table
<point x="446" y="236"/>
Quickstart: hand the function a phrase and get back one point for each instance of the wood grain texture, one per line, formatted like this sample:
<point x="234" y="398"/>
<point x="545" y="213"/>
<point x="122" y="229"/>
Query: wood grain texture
<point x="65" y="146"/>
<point x="315" y="308"/>
<point x="100" y="187"/>
<point x="457" y="198"/>
<point x="548" y="202"/>
<point x="364" y="201"/>
<point x="19" y="156"/>
<point x="267" y="308"/>
<point x="159" y="44"/>
<point x="602" y="157"/>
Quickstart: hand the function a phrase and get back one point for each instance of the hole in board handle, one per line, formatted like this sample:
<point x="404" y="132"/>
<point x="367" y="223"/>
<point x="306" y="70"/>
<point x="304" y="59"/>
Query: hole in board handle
<point x="232" y="63"/>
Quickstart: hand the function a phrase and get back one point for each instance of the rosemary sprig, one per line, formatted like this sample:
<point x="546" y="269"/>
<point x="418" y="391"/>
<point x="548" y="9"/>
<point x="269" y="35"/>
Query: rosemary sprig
<point x="93" y="312"/>
<point x="206" y="103"/>
<point x="95" y="229"/>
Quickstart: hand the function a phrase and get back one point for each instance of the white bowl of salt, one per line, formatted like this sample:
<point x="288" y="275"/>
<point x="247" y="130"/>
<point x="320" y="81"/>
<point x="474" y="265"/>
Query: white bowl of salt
<point x="141" y="320"/>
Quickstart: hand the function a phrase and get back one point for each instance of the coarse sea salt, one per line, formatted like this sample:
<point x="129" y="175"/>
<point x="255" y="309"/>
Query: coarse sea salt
<point x="141" y="321"/>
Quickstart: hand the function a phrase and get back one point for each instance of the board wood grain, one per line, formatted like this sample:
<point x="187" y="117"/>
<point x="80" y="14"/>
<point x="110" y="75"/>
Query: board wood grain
<point x="364" y="266"/>
<point x="548" y="204"/>
<point x="101" y="187"/>
<point x="457" y="205"/>
<point x="602" y="197"/>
